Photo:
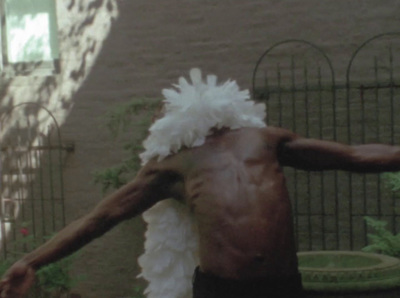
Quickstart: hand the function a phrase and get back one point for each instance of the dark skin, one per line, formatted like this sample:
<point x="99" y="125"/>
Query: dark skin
<point x="235" y="188"/>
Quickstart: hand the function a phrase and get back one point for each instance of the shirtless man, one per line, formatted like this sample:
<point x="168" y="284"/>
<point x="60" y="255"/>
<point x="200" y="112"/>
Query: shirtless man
<point x="235" y="188"/>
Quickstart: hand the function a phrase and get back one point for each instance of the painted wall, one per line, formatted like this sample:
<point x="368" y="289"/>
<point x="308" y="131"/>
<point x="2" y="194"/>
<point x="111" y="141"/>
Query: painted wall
<point x="115" y="51"/>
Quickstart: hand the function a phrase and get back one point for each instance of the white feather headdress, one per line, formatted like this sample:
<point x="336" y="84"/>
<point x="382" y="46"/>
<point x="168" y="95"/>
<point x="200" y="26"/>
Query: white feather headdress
<point x="191" y="111"/>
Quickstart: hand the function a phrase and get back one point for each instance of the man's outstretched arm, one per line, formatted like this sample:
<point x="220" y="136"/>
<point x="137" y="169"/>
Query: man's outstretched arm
<point x="315" y="155"/>
<point x="150" y="186"/>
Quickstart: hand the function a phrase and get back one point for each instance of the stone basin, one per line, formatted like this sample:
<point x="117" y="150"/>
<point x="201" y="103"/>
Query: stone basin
<point x="349" y="272"/>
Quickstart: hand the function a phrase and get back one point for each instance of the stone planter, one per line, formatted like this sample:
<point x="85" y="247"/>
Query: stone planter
<point x="337" y="274"/>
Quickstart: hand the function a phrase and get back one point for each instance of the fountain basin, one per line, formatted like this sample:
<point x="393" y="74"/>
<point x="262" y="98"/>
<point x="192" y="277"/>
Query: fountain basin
<point x="349" y="272"/>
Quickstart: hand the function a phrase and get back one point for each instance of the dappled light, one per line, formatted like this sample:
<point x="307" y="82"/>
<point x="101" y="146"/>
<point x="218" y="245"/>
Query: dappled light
<point x="29" y="133"/>
<point x="32" y="181"/>
<point x="83" y="26"/>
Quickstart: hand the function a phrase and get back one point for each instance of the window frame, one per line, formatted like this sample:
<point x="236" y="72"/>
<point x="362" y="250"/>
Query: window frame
<point x="35" y="68"/>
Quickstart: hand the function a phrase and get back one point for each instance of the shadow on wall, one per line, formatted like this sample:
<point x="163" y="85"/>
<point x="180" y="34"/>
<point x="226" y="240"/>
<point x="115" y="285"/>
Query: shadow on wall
<point x="83" y="26"/>
<point x="31" y="180"/>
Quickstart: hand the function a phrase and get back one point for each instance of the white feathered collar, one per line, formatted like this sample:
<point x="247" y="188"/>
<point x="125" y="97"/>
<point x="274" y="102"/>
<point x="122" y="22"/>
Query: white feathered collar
<point x="193" y="109"/>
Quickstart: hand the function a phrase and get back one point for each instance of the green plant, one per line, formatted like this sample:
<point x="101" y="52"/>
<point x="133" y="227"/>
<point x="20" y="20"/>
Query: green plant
<point x="52" y="280"/>
<point x="392" y="181"/>
<point x="138" y="292"/>
<point x="382" y="241"/>
<point x="55" y="277"/>
<point x="121" y="120"/>
<point x="4" y="265"/>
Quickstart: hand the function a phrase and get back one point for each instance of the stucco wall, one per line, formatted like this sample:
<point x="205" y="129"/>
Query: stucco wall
<point x="151" y="44"/>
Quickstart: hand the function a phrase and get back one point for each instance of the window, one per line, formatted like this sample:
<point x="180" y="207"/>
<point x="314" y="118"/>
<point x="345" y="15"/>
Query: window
<point x="29" y="37"/>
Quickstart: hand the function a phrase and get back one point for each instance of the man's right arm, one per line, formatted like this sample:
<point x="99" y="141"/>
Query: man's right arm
<point x="150" y="186"/>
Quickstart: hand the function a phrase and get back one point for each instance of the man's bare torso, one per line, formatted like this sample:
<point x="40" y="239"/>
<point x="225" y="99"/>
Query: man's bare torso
<point x="236" y="190"/>
<point x="235" y="187"/>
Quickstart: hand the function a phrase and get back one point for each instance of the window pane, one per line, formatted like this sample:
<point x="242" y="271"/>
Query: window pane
<point x="31" y="30"/>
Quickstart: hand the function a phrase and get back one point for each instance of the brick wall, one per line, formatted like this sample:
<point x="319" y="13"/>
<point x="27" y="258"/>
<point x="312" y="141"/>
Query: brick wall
<point x="151" y="44"/>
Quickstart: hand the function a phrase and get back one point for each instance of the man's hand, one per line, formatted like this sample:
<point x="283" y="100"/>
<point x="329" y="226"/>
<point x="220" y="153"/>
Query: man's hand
<point x="17" y="281"/>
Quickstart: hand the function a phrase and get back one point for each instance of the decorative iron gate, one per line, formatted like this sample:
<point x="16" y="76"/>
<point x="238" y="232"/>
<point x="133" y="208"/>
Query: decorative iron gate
<point x="31" y="189"/>
<point x="297" y="81"/>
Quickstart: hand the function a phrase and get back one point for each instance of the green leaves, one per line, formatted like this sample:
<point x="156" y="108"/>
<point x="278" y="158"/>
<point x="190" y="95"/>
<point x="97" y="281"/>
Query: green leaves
<point x="53" y="280"/>
<point x="120" y="119"/>
<point x="383" y="241"/>
<point x="392" y="180"/>
<point x="134" y="119"/>
<point x="111" y="177"/>
<point x="55" y="276"/>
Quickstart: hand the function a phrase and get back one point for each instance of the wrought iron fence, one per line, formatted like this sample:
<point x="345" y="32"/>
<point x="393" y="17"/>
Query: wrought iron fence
<point x="31" y="184"/>
<point x="297" y="81"/>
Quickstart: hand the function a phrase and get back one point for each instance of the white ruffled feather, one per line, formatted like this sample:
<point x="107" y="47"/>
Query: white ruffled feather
<point x="191" y="110"/>
<point x="171" y="251"/>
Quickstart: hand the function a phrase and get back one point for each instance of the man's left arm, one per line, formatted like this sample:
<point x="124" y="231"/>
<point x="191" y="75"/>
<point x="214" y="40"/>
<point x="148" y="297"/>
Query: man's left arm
<point x="315" y="155"/>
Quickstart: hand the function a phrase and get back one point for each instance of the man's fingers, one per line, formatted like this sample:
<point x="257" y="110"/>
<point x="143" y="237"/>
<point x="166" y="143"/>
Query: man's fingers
<point x="17" y="281"/>
<point x="9" y="291"/>
<point x="3" y="281"/>
<point x="19" y="270"/>
<point x="4" y="289"/>
<point x="3" y="284"/>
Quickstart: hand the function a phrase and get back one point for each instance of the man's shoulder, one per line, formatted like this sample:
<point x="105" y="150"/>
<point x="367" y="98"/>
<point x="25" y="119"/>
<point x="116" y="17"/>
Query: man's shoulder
<point x="173" y="164"/>
<point x="179" y="161"/>
<point x="277" y="133"/>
